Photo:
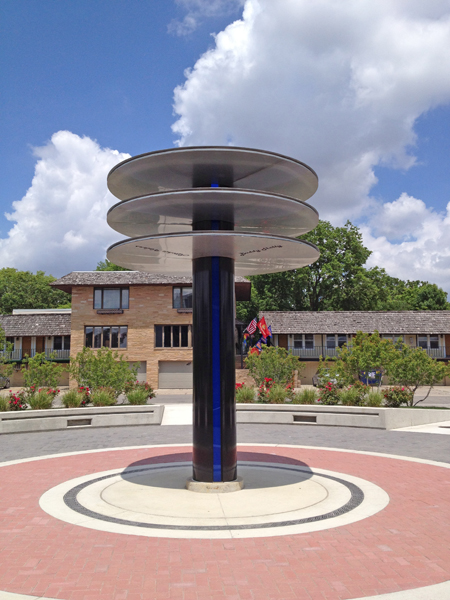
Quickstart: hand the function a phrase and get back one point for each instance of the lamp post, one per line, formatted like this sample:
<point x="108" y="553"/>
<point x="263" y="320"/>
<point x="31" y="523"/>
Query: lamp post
<point x="213" y="212"/>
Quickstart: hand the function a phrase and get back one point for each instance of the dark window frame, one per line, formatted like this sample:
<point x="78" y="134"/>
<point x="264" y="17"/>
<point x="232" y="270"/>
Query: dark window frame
<point x="121" y="335"/>
<point x="181" y="288"/>
<point x="121" y="289"/>
<point x="165" y="337"/>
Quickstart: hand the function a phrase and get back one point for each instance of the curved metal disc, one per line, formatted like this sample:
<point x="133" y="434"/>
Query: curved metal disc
<point x="203" y="166"/>
<point x="252" y="212"/>
<point x="254" y="254"/>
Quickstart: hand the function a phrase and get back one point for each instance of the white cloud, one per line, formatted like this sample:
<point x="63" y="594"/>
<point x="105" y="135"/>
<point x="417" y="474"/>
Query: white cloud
<point x="198" y="10"/>
<point x="60" y="223"/>
<point x="338" y="85"/>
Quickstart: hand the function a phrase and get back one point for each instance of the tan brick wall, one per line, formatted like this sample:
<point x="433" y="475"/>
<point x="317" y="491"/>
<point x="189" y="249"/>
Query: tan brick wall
<point x="149" y="306"/>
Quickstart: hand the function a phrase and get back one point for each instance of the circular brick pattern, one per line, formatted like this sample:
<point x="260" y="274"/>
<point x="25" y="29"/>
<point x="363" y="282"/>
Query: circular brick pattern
<point x="404" y="546"/>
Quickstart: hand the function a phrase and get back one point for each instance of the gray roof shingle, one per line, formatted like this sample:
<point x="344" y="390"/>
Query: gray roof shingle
<point x="35" y="325"/>
<point x="392" y="322"/>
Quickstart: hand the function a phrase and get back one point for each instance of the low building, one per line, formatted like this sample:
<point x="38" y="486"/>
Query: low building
<point x="145" y="317"/>
<point x="34" y="331"/>
<point x="310" y="335"/>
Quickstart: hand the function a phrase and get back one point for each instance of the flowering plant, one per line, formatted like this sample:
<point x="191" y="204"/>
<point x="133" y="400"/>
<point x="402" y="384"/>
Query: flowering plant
<point x="17" y="400"/>
<point x="142" y="386"/>
<point x="264" y="389"/>
<point x="396" y="396"/>
<point x="328" y="394"/>
<point x="86" y="393"/>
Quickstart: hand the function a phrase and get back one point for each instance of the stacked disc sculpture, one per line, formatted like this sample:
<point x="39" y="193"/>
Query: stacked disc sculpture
<point x="215" y="212"/>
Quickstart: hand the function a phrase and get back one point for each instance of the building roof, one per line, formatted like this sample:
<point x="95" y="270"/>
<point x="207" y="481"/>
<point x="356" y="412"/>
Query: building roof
<point x="389" y="322"/>
<point x="35" y="324"/>
<point x="114" y="278"/>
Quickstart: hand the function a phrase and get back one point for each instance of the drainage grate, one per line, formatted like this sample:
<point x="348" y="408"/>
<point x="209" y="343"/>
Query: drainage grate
<point x="78" y="422"/>
<point x="305" y="419"/>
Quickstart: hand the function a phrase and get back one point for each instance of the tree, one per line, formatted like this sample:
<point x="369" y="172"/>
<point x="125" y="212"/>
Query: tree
<point x="366" y="352"/>
<point x="39" y="372"/>
<point x="23" y="289"/>
<point x="339" y="281"/>
<point x="107" y="265"/>
<point x="102" y="368"/>
<point x="6" y="369"/>
<point x="412" y="367"/>
<point x="275" y="363"/>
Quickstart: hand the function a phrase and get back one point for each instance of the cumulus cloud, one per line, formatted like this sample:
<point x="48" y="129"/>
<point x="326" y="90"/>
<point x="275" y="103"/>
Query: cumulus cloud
<point x="60" y="223"/>
<point x="338" y="85"/>
<point x="198" y="10"/>
<point x="410" y="241"/>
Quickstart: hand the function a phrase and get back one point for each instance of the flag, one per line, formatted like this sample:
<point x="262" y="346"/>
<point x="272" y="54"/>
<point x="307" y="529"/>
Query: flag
<point x="246" y="335"/>
<point x="262" y="326"/>
<point x="270" y="331"/>
<point x="258" y="345"/>
<point x="252" y="327"/>
<point x="254" y="350"/>
<point x="263" y="340"/>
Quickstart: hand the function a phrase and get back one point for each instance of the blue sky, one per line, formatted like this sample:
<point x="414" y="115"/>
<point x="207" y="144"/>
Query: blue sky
<point x="358" y="90"/>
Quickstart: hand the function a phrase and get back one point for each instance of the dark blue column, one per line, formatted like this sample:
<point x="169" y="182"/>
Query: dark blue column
<point x="214" y="423"/>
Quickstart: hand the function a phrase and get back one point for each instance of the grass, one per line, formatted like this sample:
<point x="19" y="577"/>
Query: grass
<point x="306" y="396"/>
<point x="4" y="403"/>
<point x="72" y="399"/>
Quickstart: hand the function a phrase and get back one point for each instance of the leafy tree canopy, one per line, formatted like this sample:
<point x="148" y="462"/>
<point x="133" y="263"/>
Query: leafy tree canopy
<point x="339" y="281"/>
<point x="107" y="265"/>
<point x="23" y="289"/>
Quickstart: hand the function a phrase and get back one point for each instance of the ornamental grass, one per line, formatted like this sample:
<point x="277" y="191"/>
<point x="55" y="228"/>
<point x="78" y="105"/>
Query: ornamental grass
<point x="244" y="394"/>
<point x="137" y="396"/>
<point x="103" y="396"/>
<point x="42" y="399"/>
<point x="73" y="399"/>
<point x="306" y="396"/>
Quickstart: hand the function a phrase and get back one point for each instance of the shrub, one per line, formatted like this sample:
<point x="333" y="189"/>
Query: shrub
<point x="264" y="389"/>
<point x="328" y="394"/>
<point x="137" y="396"/>
<point x="396" y="396"/>
<point x="73" y="399"/>
<point x="354" y="395"/>
<point x="244" y="394"/>
<point x="17" y="400"/>
<point x="306" y="396"/>
<point x="86" y="393"/>
<point x="39" y="372"/>
<point x="143" y="386"/>
<point x="42" y="399"/>
<point x="374" y="398"/>
<point x="103" y="396"/>
<point x="102" y="368"/>
<point x="273" y="363"/>
<point x="277" y="394"/>
<point x="4" y="404"/>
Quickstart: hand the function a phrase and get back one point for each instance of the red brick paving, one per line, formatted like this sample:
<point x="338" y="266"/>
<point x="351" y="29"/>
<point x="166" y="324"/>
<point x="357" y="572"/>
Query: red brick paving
<point x="407" y="545"/>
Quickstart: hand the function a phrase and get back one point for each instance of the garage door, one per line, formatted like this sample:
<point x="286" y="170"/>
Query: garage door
<point x="175" y="374"/>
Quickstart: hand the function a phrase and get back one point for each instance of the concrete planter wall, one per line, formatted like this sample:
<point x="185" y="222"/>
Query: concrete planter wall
<point x="339" y="416"/>
<point x="73" y="418"/>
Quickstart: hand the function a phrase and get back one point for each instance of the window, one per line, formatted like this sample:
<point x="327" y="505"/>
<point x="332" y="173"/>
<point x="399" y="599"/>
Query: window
<point x="106" y="337"/>
<point x="182" y="297"/>
<point x="336" y="340"/>
<point x="304" y="341"/>
<point x="173" y="336"/>
<point x="428" y="342"/>
<point x="112" y="298"/>
<point x="61" y="342"/>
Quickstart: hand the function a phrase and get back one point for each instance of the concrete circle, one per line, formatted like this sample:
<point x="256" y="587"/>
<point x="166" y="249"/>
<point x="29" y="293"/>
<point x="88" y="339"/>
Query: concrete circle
<point x="278" y="499"/>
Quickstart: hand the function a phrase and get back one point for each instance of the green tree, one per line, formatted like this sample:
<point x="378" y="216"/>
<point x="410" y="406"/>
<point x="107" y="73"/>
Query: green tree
<point x="366" y="352"/>
<point x="102" y="368"/>
<point x="412" y="367"/>
<point x="6" y="369"/>
<point x="39" y="372"/>
<point x="23" y="289"/>
<point x="107" y="265"/>
<point x="275" y="363"/>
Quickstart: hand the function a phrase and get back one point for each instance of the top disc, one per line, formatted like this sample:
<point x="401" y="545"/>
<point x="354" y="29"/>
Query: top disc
<point x="212" y="166"/>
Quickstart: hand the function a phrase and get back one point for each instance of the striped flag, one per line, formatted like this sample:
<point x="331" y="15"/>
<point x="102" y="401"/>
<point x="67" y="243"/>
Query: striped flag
<point x="252" y="327"/>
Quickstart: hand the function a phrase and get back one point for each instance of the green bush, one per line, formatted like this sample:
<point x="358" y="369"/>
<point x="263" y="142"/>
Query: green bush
<point x="103" y="396"/>
<point x="374" y="398"/>
<point x="18" y="400"/>
<point x="328" y="394"/>
<point x="244" y="394"/>
<point x="42" y="399"/>
<point x="306" y="396"/>
<point x="102" y="368"/>
<point x="73" y="399"/>
<point x="137" y="396"/>
<point x="144" y="387"/>
<point x="277" y="394"/>
<point x="273" y="363"/>
<point x="396" y="396"/>
<point x="40" y="372"/>
<point x="4" y="404"/>
<point x="354" y="395"/>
